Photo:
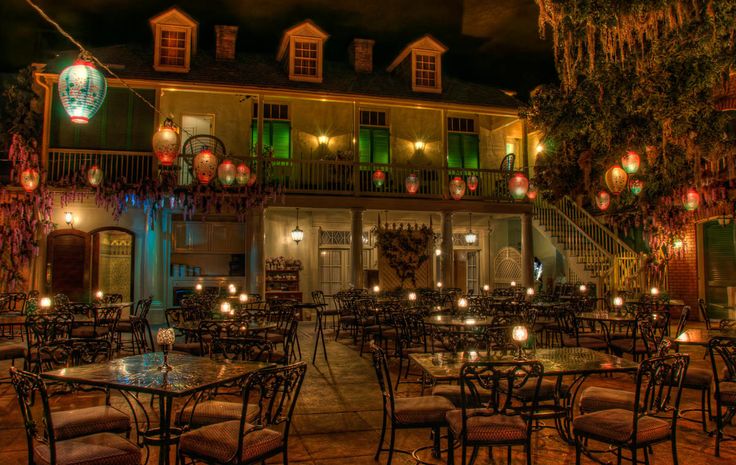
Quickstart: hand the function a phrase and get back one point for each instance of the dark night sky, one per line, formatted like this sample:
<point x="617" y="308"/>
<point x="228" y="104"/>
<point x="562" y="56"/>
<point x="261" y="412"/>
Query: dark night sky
<point x="491" y="41"/>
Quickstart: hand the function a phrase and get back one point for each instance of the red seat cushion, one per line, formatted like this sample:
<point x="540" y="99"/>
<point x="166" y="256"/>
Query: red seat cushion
<point x="421" y="410"/>
<point x="617" y="425"/>
<point x="81" y="422"/>
<point x="488" y="429"/>
<point x="219" y="442"/>
<point x="103" y="448"/>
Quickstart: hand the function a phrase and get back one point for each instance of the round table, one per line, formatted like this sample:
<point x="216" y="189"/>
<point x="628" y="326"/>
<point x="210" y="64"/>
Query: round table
<point x="451" y="320"/>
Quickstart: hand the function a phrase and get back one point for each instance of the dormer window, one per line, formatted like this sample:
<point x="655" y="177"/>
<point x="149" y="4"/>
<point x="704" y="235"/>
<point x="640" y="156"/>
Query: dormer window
<point x="421" y="61"/>
<point x="175" y="41"/>
<point x="301" y="52"/>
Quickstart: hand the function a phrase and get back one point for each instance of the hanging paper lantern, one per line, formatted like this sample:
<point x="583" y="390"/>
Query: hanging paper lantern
<point x="166" y="142"/>
<point x="472" y="182"/>
<point x="242" y="175"/>
<point x="252" y="179"/>
<point x="518" y="185"/>
<point x="29" y="179"/>
<point x="226" y="172"/>
<point x="205" y="166"/>
<point x="603" y="200"/>
<point x="616" y="179"/>
<point x="532" y="192"/>
<point x="379" y="178"/>
<point x="636" y="186"/>
<point x="457" y="188"/>
<point x="82" y="90"/>
<point x="691" y="200"/>
<point x="94" y="176"/>
<point x="630" y="161"/>
<point x="412" y="183"/>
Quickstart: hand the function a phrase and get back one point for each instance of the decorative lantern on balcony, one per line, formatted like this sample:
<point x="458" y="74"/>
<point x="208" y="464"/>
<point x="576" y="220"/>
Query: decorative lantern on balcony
<point x="518" y="185"/>
<point x="242" y="174"/>
<point x="226" y="172"/>
<point x="29" y="179"/>
<point x="603" y="200"/>
<point x="457" y="188"/>
<point x="252" y="179"/>
<point x="472" y="182"/>
<point x="616" y="179"/>
<point x="691" y="200"/>
<point x="412" y="183"/>
<point x="630" y="161"/>
<point x="636" y="186"/>
<point x="82" y="90"/>
<point x="205" y="166"/>
<point x="94" y="176"/>
<point x="378" y="178"/>
<point x="531" y="194"/>
<point x="166" y="142"/>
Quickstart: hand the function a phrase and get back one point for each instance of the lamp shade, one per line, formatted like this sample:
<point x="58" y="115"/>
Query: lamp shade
<point x="226" y="172"/>
<point x="518" y="185"/>
<point x="532" y="192"/>
<point x="412" y="183"/>
<point x="691" y="200"/>
<point x="166" y="142"/>
<point x="603" y="200"/>
<point x="630" y="161"/>
<point x="205" y="166"/>
<point x="82" y="90"/>
<point x="471" y="237"/>
<point x="242" y="174"/>
<point x="378" y="178"/>
<point x="94" y="176"/>
<point x="636" y="186"/>
<point x="457" y="188"/>
<point x="616" y="179"/>
<point x="472" y="183"/>
<point x="29" y="179"/>
<point x="297" y="235"/>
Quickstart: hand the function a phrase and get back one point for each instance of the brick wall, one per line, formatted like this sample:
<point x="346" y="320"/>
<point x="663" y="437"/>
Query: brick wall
<point x="683" y="273"/>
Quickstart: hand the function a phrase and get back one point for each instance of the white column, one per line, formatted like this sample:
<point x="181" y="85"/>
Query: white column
<point x="527" y="250"/>
<point x="356" y="247"/>
<point x="448" y="256"/>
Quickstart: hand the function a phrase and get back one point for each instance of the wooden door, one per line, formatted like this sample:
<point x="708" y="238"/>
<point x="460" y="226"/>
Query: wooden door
<point x="461" y="270"/>
<point x="68" y="264"/>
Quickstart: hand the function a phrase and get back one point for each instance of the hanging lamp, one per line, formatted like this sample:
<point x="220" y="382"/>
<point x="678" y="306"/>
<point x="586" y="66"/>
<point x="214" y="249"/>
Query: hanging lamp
<point x="82" y="89"/>
<point x="470" y="236"/>
<point x="166" y="142"/>
<point x="297" y="234"/>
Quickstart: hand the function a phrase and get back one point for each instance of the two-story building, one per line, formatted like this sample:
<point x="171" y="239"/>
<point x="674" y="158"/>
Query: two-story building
<point x="325" y="128"/>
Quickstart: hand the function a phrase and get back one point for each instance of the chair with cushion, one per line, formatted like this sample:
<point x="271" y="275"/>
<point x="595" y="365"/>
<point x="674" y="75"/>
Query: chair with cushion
<point x="318" y="298"/>
<point x="406" y="412"/>
<point x="256" y="436"/>
<point x="42" y="330"/>
<point x="641" y="346"/>
<point x="571" y="335"/>
<point x="703" y="309"/>
<point x="501" y="420"/>
<point x="73" y="437"/>
<point x="723" y="349"/>
<point x="652" y="420"/>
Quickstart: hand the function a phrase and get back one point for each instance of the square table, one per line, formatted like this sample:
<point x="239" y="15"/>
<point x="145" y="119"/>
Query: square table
<point x="579" y="362"/>
<point x="702" y="336"/>
<point x="141" y="374"/>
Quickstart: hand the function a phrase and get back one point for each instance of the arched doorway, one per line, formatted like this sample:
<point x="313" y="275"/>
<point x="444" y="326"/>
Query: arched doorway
<point x="67" y="263"/>
<point x="113" y="261"/>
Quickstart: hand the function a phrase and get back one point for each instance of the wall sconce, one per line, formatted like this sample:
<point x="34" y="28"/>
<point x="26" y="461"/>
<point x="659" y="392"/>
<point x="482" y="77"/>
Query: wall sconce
<point x="677" y="243"/>
<point x="69" y="219"/>
<point x="419" y="146"/>
<point x="323" y="139"/>
<point x="297" y="234"/>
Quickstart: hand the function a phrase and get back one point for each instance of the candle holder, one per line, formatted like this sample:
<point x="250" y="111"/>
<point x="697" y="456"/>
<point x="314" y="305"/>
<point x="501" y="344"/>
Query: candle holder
<point x="520" y="335"/>
<point x="165" y="338"/>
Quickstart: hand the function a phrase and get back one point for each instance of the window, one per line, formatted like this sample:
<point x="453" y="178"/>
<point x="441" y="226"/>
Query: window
<point x="462" y="144"/>
<point x="174" y="40"/>
<point x="375" y="139"/>
<point x="331" y="273"/>
<point x="472" y="273"/>
<point x="276" y="129"/>
<point x="426" y="71"/>
<point x="306" y="59"/>
<point x="173" y="48"/>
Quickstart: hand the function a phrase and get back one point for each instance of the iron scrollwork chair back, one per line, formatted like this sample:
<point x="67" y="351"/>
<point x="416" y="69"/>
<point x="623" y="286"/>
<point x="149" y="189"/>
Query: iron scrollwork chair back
<point x="30" y="388"/>
<point x="659" y="382"/>
<point x="41" y="330"/>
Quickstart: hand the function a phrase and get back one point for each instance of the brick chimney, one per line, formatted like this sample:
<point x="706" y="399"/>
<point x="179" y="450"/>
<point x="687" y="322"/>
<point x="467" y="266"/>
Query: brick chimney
<point x="225" y="38"/>
<point x="360" y="54"/>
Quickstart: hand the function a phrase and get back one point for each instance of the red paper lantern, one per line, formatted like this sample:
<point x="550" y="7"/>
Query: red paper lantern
<point x="630" y="161"/>
<point x="472" y="182"/>
<point x="518" y="185"/>
<point x="691" y="200"/>
<point x="636" y="186"/>
<point x="205" y="166"/>
<point x="532" y="192"/>
<point x="616" y="179"/>
<point x="226" y="172"/>
<point x="252" y="179"/>
<point x="242" y="175"/>
<point x="378" y="178"/>
<point x="166" y="142"/>
<point x="82" y="90"/>
<point x="412" y="183"/>
<point x="603" y="200"/>
<point x="457" y="188"/>
<point x="29" y="179"/>
<point x="94" y="176"/>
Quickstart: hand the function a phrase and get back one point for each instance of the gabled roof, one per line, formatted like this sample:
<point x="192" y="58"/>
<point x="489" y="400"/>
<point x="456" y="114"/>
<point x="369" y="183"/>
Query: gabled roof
<point x="306" y="28"/>
<point x="175" y="16"/>
<point x="426" y="42"/>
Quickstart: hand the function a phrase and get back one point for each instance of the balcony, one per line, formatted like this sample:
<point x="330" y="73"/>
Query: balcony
<point x="304" y="176"/>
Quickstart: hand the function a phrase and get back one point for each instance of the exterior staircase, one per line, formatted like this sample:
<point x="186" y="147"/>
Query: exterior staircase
<point x="593" y="252"/>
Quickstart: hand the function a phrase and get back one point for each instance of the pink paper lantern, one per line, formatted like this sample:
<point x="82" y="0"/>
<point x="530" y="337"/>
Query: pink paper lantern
<point x="29" y="179"/>
<point x="94" y="176"/>
<point x="472" y="182"/>
<point x="691" y="200"/>
<point x="252" y="179"/>
<point x="242" y="175"/>
<point x="457" y="188"/>
<point x="378" y="178"/>
<point x="205" y="166"/>
<point x="603" y="200"/>
<point x="531" y="194"/>
<point x="630" y="161"/>
<point x="412" y="183"/>
<point x="636" y="186"/>
<point x="518" y="185"/>
<point x="226" y="172"/>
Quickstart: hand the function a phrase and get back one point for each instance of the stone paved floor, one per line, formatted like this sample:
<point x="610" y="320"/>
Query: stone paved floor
<point x="338" y="419"/>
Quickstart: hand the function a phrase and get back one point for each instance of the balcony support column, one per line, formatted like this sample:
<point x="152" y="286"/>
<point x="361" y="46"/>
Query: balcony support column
<point x="255" y="242"/>
<point x="527" y="251"/>
<point x="356" y="247"/>
<point x="356" y="149"/>
<point x="448" y="255"/>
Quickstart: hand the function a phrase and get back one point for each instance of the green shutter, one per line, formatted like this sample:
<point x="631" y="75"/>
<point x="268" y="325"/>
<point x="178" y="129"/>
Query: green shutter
<point x="281" y="139"/>
<point x="381" y="144"/>
<point x="365" y="147"/>
<point x="720" y="264"/>
<point x="254" y="135"/>
<point x="470" y="152"/>
<point x="454" y="151"/>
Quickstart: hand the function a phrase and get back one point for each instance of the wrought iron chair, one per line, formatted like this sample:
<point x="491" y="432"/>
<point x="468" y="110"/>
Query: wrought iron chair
<point x="651" y="420"/>
<point x="703" y="308"/>
<point x="42" y="330"/>
<point x="570" y="334"/>
<point x="723" y="348"/>
<point x="256" y="435"/>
